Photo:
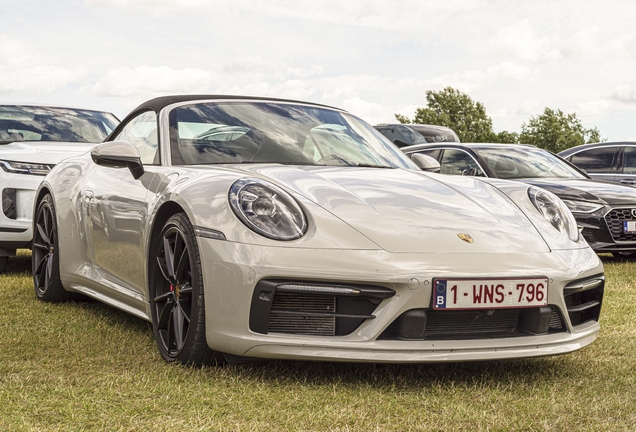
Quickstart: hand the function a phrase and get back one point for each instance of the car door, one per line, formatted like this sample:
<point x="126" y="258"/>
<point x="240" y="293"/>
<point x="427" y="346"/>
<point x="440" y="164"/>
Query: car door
<point x="598" y="162"/>
<point x="626" y="173"/>
<point x="117" y="207"/>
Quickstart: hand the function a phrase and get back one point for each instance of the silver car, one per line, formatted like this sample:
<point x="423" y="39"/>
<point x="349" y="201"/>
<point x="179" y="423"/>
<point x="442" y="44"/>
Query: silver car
<point x="252" y="227"/>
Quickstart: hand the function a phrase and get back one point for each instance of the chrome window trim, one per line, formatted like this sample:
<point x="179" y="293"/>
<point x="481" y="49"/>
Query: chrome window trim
<point x="594" y="148"/>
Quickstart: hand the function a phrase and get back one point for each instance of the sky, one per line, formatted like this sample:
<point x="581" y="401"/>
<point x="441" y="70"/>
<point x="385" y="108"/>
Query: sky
<point x="373" y="58"/>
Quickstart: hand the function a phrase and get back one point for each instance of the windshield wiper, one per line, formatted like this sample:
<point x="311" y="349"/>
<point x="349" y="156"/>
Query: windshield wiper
<point x="365" y="165"/>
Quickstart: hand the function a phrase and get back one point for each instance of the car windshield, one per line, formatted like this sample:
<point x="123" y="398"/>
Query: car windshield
<point x="412" y="136"/>
<point x="34" y="123"/>
<point x="275" y="132"/>
<point x="527" y="162"/>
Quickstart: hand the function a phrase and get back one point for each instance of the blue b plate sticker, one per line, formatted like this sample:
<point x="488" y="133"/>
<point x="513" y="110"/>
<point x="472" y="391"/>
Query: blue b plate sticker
<point x="440" y="294"/>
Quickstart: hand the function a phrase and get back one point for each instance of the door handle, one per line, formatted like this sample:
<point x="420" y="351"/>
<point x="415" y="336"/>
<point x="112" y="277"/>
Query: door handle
<point x="628" y="181"/>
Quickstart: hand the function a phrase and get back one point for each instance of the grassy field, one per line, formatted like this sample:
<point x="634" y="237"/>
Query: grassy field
<point x="86" y="366"/>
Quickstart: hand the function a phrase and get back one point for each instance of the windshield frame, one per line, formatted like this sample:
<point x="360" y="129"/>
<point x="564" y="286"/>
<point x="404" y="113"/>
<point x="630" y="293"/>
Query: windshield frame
<point x="169" y="130"/>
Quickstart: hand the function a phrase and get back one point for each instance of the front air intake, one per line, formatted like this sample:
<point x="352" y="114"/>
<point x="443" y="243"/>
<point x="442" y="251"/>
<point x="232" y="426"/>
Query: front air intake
<point x="315" y="309"/>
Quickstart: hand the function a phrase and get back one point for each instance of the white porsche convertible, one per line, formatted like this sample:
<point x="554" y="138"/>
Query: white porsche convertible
<point x="263" y="228"/>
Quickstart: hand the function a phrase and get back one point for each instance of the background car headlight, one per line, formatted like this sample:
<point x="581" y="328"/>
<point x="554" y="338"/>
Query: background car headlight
<point x="25" y="167"/>
<point x="582" y="206"/>
<point x="554" y="211"/>
<point x="267" y="209"/>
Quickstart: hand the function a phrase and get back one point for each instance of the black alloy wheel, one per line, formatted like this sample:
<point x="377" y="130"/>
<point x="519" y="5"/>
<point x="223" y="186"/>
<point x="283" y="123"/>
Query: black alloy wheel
<point x="176" y="296"/>
<point x="45" y="260"/>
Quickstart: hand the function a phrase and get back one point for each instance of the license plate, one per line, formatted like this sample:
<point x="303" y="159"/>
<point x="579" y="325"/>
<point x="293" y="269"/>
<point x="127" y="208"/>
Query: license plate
<point x="489" y="293"/>
<point x="629" y="227"/>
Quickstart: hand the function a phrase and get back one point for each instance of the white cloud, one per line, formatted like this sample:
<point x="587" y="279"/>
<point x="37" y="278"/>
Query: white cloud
<point x="521" y="40"/>
<point x="142" y="80"/>
<point x="289" y="89"/>
<point x="624" y="93"/>
<point x="23" y="68"/>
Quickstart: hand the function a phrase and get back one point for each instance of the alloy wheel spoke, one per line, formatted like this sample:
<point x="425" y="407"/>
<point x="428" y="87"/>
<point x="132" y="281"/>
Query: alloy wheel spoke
<point x="169" y="257"/>
<point x="182" y="263"/>
<point x="43" y="234"/>
<point x="164" y="318"/>
<point x="185" y="289"/>
<point x="178" y="319"/>
<point x="41" y="246"/>
<point x="164" y="271"/>
<point x="163" y="296"/>
<point x="45" y="220"/>
<point x="186" y="314"/>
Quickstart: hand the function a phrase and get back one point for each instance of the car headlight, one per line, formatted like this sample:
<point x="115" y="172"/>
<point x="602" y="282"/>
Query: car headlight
<point x="555" y="212"/>
<point x="582" y="206"/>
<point x="25" y="167"/>
<point x="267" y="209"/>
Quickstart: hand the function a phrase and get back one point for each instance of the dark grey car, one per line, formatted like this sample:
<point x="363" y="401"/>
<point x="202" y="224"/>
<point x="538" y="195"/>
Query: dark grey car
<point x="410" y="134"/>
<point x="609" y="161"/>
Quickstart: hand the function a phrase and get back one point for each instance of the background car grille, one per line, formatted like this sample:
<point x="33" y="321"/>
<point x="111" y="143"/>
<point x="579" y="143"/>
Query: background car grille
<point x="615" y="219"/>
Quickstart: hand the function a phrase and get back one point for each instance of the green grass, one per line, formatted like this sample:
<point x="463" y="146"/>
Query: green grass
<point x="86" y="366"/>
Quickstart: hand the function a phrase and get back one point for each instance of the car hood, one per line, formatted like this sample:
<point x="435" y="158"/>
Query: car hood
<point x="409" y="211"/>
<point x="45" y="152"/>
<point x="589" y="190"/>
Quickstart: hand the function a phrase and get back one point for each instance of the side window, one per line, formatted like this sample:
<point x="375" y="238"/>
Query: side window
<point x="389" y="133"/>
<point x="629" y="160"/>
<point x="598" y="160"/>
<point x="142" y="133"/>
<point x="457" y="161"/>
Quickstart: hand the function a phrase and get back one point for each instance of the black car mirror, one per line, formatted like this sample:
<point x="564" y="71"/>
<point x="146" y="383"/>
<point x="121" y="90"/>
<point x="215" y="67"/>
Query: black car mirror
<point x="425" y="163"/>
<point x="118" y="154"/>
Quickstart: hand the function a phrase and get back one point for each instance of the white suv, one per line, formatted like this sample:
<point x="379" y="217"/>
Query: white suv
<point x="33" y="139"/>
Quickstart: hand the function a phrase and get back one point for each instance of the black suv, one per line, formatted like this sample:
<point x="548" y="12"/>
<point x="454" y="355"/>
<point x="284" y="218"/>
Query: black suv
<point x="403" y="135"/>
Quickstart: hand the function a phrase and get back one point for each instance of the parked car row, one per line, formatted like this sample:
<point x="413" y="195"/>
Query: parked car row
<point x="249" y="228"/>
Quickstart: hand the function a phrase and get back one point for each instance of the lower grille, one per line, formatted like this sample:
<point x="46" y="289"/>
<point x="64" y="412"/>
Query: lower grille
<point x="424" y="324"/>
<point x="8" y="203"/>
<point x="301" y="314"/>
<point x="614" y="219"/>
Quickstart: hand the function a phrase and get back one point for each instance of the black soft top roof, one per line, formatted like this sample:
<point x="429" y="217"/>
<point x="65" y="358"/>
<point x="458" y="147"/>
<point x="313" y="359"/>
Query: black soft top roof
<point x="157" y="104"/>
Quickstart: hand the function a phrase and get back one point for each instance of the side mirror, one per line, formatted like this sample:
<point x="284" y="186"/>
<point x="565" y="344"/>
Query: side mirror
<point x="400" y="144"/>
<point x="426" y="163"/>
<point x="118" y="154"/>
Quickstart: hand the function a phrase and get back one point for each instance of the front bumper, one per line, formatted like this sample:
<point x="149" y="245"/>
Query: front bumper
<point x="18" y="194"/>
<point x="232" y="270"/>
<point x="596" y="230"/>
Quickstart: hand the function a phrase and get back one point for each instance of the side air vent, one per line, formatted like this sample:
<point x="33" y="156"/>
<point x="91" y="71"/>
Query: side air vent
<point x="583" y="299"/>
<point x="316" y="309"/>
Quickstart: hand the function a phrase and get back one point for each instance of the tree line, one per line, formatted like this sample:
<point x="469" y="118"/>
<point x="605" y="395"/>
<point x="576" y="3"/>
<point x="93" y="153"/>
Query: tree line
<point x="552" y="130"/>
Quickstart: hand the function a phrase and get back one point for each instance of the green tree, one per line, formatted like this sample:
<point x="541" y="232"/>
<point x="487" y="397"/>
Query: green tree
<point x="556" y="131"/>
<point x="451" y="108"/>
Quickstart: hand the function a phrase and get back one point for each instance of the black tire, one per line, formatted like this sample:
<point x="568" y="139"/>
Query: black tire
<point x="4" y="262"/>
<point x="624" y="255"/>
<point x="177" y="296"/>
<point x="45" y="260"/>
